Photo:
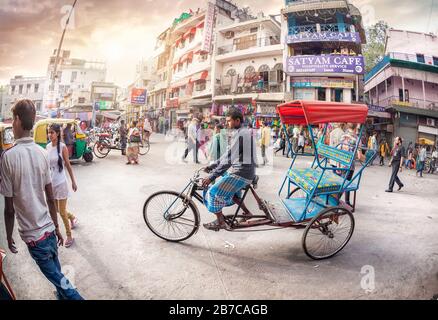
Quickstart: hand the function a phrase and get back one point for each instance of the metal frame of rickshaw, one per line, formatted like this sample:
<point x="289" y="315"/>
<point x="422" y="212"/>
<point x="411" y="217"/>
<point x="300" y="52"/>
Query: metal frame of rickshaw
<point x="312" y="197"/>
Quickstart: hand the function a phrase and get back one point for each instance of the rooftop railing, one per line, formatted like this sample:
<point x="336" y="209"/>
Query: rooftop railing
<point x="244" y="45"/>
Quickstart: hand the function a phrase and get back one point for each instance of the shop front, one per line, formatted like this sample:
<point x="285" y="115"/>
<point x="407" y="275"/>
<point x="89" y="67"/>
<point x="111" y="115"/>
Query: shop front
<point x="267" y="112"/>
<point x="323" y="89"/>
<point x="428" y="135"/>
<point x="219" y="109"/>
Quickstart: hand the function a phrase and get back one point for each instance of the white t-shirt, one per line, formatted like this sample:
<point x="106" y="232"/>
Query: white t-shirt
<point x="57" y="177"/>
<point x="25" y="172"/>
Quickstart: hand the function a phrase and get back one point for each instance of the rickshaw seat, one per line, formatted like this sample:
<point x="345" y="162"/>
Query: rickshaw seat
<point x="307" y="180"/>
<point x="341" y="156"/>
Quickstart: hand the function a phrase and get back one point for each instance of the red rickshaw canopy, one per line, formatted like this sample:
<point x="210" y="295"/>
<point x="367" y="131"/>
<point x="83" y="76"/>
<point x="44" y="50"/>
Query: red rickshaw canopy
<point x="319" y="112"/>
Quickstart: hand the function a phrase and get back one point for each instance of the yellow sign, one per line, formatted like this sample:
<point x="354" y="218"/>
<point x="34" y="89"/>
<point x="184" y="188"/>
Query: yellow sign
<point x="402" y="103"/>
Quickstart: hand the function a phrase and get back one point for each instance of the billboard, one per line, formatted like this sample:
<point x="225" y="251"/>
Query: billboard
<point x="138" y="96"/>
<point x="326" y="64"/>
<point x="208" y="27"/>
<point x="323" y="36"/>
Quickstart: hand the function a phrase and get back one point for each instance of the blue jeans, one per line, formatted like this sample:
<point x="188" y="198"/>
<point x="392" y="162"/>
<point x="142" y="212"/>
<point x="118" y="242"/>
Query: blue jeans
<point x="45" y="254"/>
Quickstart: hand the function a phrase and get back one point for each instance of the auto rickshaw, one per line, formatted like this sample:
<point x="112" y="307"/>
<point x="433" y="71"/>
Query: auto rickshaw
<point x="6" y="137"/>
<point x="81" y="148"/>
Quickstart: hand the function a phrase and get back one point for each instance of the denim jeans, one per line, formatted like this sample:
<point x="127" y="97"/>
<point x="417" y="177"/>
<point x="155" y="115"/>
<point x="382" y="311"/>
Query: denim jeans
<point x="45" y="254"/>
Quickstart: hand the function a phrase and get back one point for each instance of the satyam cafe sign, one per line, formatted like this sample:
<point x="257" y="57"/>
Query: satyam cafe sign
<point x="323" y="36"/>
<point x="326" y="64"/>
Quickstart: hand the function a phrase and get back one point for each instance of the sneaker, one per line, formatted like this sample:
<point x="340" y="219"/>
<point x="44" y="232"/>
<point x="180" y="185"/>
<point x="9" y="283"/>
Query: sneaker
<point x="389" y="190"/>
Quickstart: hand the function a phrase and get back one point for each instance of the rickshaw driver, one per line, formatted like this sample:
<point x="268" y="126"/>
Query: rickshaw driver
<point x="240" y="158"/>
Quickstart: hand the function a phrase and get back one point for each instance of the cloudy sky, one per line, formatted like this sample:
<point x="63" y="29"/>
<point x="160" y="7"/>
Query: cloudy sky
<point x="121" y="32"/>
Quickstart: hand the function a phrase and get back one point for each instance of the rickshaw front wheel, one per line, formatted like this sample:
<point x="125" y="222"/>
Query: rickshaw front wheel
<point x="328" y="233"/>
<point x="171" y="216"/>
<point x="88" y="157"/>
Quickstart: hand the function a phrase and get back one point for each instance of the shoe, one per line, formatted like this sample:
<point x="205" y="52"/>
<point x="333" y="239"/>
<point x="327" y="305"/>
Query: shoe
<point x="389" y="190"/>
<point x="400" y="187"/>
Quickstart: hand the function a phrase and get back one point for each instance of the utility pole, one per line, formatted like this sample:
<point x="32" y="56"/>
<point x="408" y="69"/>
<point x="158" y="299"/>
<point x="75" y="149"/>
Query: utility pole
<point x="54" y="75"/>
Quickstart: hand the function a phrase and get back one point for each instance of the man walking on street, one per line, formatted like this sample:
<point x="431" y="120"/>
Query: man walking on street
<point x="421" y="160"/>
<point x="398" y="155"/>
<point x="434" y="160"/>
<point x="192" y="140"/>
<point x="27" y="188"/>
<point x="123" y="132"/>
<point x="265" y="141"/>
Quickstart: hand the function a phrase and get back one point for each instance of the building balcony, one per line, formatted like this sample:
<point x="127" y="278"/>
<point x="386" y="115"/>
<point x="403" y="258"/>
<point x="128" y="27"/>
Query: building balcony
<point x="305" y="5"/>
<point x="396" y="101"/>
<point x="313" y="28"/>
<point x="250" y="49"/>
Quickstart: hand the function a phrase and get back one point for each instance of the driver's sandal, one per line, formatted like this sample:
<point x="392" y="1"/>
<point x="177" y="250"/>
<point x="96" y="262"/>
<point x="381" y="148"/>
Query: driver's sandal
<point x="216" y="226"/>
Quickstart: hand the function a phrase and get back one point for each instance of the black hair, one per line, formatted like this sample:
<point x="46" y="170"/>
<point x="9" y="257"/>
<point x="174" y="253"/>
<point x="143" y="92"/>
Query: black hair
<point x="25" y="111"/>
<point x="57" y="128"/>
<point x="235" y="114"/>
<point x="219" y="126"/>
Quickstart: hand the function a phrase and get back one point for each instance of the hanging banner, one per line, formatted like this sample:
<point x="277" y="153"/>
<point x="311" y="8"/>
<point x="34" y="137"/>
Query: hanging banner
<point x="323" y="36"/>
<point x="208" y="27"/>
<point x="326" y="64"/>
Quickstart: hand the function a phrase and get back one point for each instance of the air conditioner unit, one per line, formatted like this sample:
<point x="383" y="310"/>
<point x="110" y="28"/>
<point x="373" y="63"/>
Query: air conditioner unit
<point x="229" y="34"/>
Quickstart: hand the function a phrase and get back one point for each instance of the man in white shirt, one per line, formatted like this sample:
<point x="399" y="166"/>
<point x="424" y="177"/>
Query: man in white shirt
<point x="434" y="160"/>
<point x="27" y="188"/>
<point x="192" y="140"/>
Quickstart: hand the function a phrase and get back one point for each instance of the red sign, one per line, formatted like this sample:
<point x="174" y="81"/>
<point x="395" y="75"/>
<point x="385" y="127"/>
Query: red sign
<point x="138" y="96"/>
<point x="172" y="103"/>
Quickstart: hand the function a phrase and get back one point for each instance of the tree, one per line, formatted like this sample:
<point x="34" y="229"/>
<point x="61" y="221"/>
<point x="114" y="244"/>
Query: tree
<point x="374" y="50"/>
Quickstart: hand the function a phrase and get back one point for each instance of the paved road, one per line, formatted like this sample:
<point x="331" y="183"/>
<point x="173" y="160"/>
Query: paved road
<point x="395" y="244"/>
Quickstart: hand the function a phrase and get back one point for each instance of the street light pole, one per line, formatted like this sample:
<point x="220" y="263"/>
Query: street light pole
<point x="55" y="76"/>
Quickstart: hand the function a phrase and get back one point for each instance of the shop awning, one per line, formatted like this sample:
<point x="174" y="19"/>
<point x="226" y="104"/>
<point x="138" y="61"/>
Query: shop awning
<point x="79" y="108"/>
<point x="200" y="25"/>
<point x="199" y="76"/>
<point x="318" y="112"/>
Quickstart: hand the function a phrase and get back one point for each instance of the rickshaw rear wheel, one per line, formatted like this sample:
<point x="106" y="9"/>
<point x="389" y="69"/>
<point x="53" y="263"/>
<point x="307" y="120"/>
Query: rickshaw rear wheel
<point x="179" y="223"/>
<point x="144" y="147"/>
<point x="101" y="149"/>
<point x="328" y="233"/>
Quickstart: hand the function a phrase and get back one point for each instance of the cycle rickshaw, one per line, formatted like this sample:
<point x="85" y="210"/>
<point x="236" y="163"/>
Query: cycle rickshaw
<point x="312" y="201"/>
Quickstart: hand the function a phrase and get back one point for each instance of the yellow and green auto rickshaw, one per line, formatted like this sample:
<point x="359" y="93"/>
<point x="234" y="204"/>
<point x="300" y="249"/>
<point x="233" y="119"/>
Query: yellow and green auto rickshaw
<point x="6" y="137"/>
<point x="81" y="148"/>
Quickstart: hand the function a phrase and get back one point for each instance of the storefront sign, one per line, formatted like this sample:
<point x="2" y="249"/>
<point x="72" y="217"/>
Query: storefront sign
<point x="208" y="27"/>
<point x="323" y="83"/>
<point x="378" y="111"/>
<point x="323" y="36"/>
<point x="172" y="103"/>
<point x="267" y="110"/>
<point x="428" y="130"/>
<point x="138" y="96"/>
<point x="326" y="64"/>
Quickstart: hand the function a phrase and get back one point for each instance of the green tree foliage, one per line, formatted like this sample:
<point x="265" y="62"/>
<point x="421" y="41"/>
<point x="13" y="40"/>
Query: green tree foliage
<point x="374" y="50"/>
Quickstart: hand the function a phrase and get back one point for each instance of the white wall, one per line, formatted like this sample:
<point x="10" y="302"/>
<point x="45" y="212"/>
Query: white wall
<point x="412" y="43"/>
<point x="241" y="65"/>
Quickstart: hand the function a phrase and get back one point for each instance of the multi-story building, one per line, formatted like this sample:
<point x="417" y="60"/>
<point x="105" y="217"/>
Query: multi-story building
<point x="405" y="84"/>
<point x="248" y="68"/>
<point x="73" y="75"/>
<point x="323" y="50"/>
<point x="180" y="82"/>
<point x="4" y="103"/>
<point x="26" y="87"/>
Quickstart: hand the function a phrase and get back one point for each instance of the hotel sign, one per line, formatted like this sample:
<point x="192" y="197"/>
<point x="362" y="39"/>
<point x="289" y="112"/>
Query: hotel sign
<point x="323" y="36"/>
<point x="326" y="64"/>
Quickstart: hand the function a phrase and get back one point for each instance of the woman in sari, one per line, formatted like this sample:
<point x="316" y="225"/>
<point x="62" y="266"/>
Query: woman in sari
<point x="133" y="144"/>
